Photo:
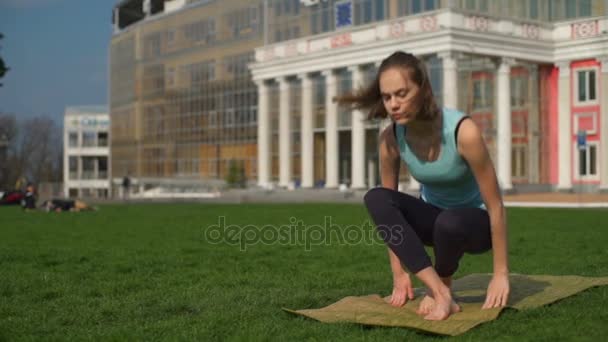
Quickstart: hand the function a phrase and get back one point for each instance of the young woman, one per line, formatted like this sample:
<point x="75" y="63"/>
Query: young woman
<point x="460" y="208"/>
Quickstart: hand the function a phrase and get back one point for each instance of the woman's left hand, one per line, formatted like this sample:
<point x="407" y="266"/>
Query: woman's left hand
<point x="498" y="292"/>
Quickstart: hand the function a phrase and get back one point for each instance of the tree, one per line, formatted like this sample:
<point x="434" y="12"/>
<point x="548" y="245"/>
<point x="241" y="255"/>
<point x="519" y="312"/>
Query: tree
<point x="8" y="134"/>
<point x="3" y="68"/>
<point x="30" y="149"/>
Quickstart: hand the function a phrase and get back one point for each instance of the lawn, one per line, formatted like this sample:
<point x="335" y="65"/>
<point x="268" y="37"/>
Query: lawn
<point x="162" y="271"/>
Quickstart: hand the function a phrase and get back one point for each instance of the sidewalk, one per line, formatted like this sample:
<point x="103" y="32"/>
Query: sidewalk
<point x="237" y="196"/>
<point x="557" y="200"/>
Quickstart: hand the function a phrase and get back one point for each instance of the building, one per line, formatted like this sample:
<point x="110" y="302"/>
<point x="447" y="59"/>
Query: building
<point x="86" y="152"/>
<point x="184" y="104"/>
<point x="532" y="74"/>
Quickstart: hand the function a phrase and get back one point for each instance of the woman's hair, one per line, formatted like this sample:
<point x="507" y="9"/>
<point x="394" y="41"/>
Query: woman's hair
<point x="369" y="98"/>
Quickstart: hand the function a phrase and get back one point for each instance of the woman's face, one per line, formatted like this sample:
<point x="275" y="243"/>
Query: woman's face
<point x="398" y="93"/>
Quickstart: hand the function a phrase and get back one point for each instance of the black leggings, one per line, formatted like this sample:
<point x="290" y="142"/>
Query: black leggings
<point x="406" y="223"/>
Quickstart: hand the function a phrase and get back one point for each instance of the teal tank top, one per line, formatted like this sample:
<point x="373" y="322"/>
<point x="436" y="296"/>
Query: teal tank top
<point x="447" y="182"/>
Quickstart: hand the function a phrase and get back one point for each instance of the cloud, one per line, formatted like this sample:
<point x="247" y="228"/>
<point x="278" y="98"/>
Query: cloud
<point x="28" y="3"/>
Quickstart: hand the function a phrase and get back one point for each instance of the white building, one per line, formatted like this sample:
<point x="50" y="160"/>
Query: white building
<point x="532" y="86"/>
<point x="86" y="152"/>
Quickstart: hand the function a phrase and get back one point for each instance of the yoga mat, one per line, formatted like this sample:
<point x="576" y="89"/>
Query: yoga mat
<point x="527" y="292"/>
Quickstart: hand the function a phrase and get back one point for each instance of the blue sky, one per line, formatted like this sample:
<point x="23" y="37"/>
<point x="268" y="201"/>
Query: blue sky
<point x="57" y="51"/>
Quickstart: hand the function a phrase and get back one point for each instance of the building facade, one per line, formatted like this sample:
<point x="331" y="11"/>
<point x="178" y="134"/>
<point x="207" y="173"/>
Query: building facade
<point x="182" y="102"/>
<point x="532" y="74"/>
<point x="86" y="150"/>
<point x="199" y="84"/>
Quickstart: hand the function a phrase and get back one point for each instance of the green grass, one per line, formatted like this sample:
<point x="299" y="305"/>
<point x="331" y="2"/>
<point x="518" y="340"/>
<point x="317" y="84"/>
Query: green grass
<point x="149" y="272"/>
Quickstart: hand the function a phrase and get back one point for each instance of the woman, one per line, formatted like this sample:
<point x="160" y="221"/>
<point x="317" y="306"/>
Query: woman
<point x="460" y="209"/>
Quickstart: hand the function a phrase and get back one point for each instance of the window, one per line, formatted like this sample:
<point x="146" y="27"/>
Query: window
<point x="570" y="9"/>
<point x="287" y="7"/>
<point x="586" y="86"/>
<point x="243" y="22"/>
<point x="170" y="77"/>
<point x="202" y="31"/>
<point x="102" y="139"/>
<point x="482" y="93"/>
<point x="199" y="72"/>
<point x="89" y="139"/>
<point x="152" y="45"/>
<point x="171" y="37"/>
<point x="534" y="9"/>
<point x="519" y="162"/>
<point x="587" y="165"/>
<point x="519" y="91"/>
<point x="73" y="167"/>
<point x="88" y="167"/>
<point x="584" y="8"/>
<point x="102" y="168"/>
<point x="407" y="7"/>
<point x="73" y="139"/>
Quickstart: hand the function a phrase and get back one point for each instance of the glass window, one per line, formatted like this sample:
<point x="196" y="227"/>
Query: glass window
<point x="592" y="160"/>
<point x="483" y="5"/>
<point x="416" y="6"/>
<point x="88" y="167"/>
<point x="379" y="10"/>
<point x="519" y="91"/>
<point x="586" y="85"/>
<point x="584" y="8"/>
<point x="534" y="9"/>
<point x="570" y="9"/>
<point x="582" y="162"/>
<point x="73" y="139"/>
<point x="89" y="139"/>
<point x="73" y="167"/>
<point x="102" y="139"/>
<point x="592" y="85"/>
<point x="482" y="92"/>
<point x="325" y="17"/>
<point x="102" y="168"/>
<point x="587" y="160"/>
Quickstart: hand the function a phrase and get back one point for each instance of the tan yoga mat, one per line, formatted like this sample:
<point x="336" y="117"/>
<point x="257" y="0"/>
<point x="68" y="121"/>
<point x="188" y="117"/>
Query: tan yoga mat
<point x="527" y="291"/>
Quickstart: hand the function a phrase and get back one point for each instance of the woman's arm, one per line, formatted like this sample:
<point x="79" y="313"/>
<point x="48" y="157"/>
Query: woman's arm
<point x="473" y="149"/>
<point x="389" y="176"/>
<point x="390" y="161"/>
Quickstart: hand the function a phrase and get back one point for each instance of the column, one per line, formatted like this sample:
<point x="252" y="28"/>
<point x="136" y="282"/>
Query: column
<point x="79" y="173"/>
<point x="413" y="184"/>
<point x="603" y="95"/>
<point x="331" y="130"/>
<point x="285" y="173"/>
<point x="357" y="136"/>
<point x="503" y="138"/>
<point x="116" y="21"/>
<point x="450" y="79"/>
<point x="564" y="134"/>
<point x="306" y="132"/>
<point x="263" y="135"/>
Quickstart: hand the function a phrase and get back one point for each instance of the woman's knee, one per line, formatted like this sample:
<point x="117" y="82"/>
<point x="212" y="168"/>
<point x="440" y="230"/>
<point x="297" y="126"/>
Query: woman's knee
<point x="377" y="196"/>
<point x="449" y="224"/>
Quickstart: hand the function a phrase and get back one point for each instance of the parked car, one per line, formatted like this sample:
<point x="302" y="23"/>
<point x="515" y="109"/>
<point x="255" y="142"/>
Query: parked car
<point x="11" y="197"/>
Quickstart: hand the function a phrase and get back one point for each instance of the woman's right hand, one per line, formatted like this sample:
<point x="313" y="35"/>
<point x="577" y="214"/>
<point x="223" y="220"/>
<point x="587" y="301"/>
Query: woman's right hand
<point x="402" y="289"/>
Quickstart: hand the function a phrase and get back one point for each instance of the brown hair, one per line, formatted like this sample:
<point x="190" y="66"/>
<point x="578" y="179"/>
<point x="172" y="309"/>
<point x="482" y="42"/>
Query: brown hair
<point x="369" y="98"/>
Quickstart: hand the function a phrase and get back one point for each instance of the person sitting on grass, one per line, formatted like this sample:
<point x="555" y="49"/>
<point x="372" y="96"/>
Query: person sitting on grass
<point x="460" y="208"/>
<point x="59" y="205"/>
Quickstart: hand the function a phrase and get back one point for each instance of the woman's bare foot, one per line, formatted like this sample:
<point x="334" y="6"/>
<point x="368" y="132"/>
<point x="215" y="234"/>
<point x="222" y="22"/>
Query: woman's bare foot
<point x="441" y="308"/>
<point x="427" y="303"/>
